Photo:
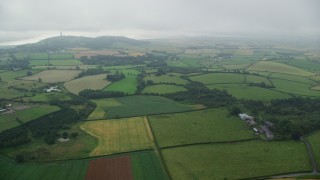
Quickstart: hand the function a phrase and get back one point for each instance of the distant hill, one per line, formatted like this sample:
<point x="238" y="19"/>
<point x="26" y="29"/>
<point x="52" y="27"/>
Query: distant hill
<point x="65" y="42"/>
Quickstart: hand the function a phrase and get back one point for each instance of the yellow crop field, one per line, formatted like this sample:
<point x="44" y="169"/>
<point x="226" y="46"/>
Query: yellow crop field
<point x="119" y="135"/>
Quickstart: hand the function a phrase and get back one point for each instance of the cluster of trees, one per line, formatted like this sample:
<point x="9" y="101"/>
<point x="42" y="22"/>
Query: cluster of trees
<point x="46" y="126"/>
<point x="115" y="77"/>
<point x="261" y="84"/>
<point x="294" y="117"/>
<point x="113" y="60"/>
<point x="198" y="93"/>
<point x="141" y="84"/>
<point x="89" y="72"/>
<point x="96" y="94"/>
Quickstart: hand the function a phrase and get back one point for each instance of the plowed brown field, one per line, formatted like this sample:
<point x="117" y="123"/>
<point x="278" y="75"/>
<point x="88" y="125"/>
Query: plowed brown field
<point x="118" y="168"/>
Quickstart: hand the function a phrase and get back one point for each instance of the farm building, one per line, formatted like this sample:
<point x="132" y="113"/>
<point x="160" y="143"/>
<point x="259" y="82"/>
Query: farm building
<point x="52" y="88"/>
<point x="244" y="116"/>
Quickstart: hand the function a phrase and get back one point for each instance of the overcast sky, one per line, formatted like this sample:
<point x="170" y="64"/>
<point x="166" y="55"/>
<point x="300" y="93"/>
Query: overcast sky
<point x="141" y="19"/>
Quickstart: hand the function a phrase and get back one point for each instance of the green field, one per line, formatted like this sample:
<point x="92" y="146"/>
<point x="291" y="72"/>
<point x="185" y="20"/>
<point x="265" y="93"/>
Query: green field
<point x="242" y="91"/>
<point x="278" y="68"/>
<point x="53" y="76"/>
<point x="143" y="105"/>
<point x="120" y="135"/>
<point x="213" y="125"/>
<point x="146" y="165"/>
<point x="38" y="56"/>
<point x="257" y="79"/>
<point x="163" y="89"/>
<point x="127" y="85"/>
<point x="294" y="88"/>
<point x="100" y="111"/>
<point x="95" y="82"/>
<point x="168" y="78"/>
<point x="55" y="62"/>
<point x="61" y="56"/>
<point x="213" y="78"/>
<point x="71" y="170"/>
<point x="47" y="97"/>
<point x="31" y="112"/>
<point x="316" y="88"/>
<point x="236" y="160"/>
<point x="236" y="66"/>
<point x="300" y="79"/>
<point x="310" y="65"/>
<point x="11" y="75"/>
<point x="7" y="93"/>
<point x="38" y="150"/>
<point x="314" y="140"/>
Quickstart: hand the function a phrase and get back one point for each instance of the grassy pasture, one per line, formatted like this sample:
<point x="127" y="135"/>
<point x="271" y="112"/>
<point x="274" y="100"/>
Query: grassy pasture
<point x="294" y="87"/>
<point x="126" y="85"/>
<point x="310" y="65"/>
<point x="242" y="91"/>
<point x="11" y="75"/>
<point x="145" y="105"/>
<point x="94" y="82"/>
<point x="300" y="79"/>
<point x="146" y="165"/>
<point x="52" y="76"/>
<point x="38" y="56"/>
<point x="163" y="89"/>
<point x="236" y="60"/>
<point x="168" y="78"/>
<point x="119" y="135"/>
<point x="7" y="93"/>
<point x="212" y="125"/>
<point x="257" y="79"/>
<point x="314" y="140"/>
<point x="270" y="66"/>
<point x="71" y="170"/>
<point x="213" y="78"/>
<point x="38" y="150"/>
<point x="54" y="62"/>
<point x="236" y="160"/>
<point x="47" y="97"/>
<point x="101" y="110"/>
<point x="32" y="112"/>
<point x="236" y="66"/>
<point x="61" y="56"/>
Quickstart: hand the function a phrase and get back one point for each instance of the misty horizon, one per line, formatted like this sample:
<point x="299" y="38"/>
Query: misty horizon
<point x="29" y="22"/>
